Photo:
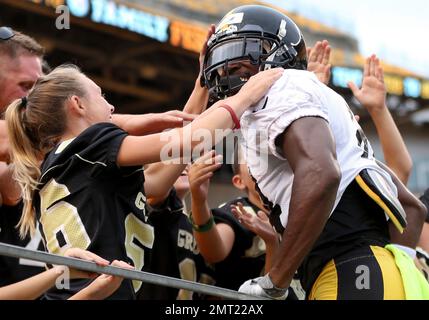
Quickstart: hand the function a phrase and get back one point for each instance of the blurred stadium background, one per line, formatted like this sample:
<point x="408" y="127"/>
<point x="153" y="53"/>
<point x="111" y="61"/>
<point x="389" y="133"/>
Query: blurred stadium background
<point x="144" y="54"/>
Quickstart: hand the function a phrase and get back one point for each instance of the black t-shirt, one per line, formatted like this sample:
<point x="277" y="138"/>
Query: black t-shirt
<point x="87" y="201"/>
<point x="247" y="257"/>
<point x="174" y="253"/>
<point x="425" y="199"/>
<point x="13" y="270"/>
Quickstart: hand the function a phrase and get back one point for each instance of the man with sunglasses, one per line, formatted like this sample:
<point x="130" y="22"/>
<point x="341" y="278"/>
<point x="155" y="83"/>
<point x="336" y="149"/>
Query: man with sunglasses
<point x="20" y="66"/>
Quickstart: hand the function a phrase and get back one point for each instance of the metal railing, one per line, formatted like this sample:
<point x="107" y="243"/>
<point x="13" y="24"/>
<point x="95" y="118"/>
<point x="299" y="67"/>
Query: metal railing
<point x="19" y="252"/>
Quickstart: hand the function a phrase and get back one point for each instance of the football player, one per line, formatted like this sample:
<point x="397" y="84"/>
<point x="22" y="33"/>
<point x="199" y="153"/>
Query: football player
<point x="327" y="196"/>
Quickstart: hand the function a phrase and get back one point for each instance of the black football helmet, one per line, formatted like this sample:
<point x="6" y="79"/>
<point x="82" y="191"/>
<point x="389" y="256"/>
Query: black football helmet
<point x="257" y="34"/>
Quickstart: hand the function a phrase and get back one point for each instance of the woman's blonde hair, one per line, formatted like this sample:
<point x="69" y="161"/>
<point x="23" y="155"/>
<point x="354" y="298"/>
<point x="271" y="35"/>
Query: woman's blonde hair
<point x="35" y="124"/>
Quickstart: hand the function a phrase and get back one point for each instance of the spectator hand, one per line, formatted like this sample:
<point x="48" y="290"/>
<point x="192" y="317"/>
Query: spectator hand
<point x="318" y="60"/>
<point x="84" y="255"/>
<point x="105" y="285"/>
<point x="372" y="95"/>
<point x="200" y="173"/>
<point x="157" y="122"/>
<point x="259" y="223"/>
<point x="256" y="87"/>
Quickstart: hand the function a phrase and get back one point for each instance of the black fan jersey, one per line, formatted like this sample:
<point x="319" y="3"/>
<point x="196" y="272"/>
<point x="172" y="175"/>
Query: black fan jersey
<point x="13" y="269"/>
<point x="175" y="252"/>
<point x="86" y="201"/>
<point x="247" y="257"/>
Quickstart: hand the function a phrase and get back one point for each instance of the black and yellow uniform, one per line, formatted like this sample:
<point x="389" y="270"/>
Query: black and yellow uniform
<point x="86" y="201"/>
<point x="349" y="260"/>
<point x="174" y="253"/>
<point x="13" y="270"/>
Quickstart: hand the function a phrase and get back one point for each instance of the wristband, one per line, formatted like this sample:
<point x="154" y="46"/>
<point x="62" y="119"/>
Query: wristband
<point x="233" y="115"/>
<point x="203" y="227"/>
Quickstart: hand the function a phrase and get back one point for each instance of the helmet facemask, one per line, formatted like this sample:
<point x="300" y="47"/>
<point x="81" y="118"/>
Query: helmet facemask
<point x="256" y="35"/>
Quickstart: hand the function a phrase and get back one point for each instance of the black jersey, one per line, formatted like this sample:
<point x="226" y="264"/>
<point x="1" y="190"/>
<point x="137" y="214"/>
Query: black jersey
<point x="175" y="252"/>
<point x="247" y="257"/>
<point x="87" y="201"/>
<point x="14" y="269"/>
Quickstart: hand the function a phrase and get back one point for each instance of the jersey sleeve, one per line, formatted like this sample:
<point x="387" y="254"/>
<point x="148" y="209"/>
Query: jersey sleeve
<point x="101" y="144"/>
<point x="292" y="100"/>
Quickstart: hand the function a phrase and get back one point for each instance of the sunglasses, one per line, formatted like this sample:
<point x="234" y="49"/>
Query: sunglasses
<point x="6" y="33"/>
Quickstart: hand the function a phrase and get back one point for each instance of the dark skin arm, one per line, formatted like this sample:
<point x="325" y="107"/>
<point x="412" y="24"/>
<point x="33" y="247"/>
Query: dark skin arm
<point x="310" y="149"/>
<point x="415" y="210"/>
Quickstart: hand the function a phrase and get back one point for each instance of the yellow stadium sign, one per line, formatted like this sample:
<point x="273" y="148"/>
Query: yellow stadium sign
<point x="187" y="36"/>
<point x="394" y="84"/>
<point x="425" y="89"/>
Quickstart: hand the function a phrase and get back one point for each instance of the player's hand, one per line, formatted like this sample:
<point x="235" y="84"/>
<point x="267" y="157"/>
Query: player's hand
<point x="200" y="173"/>
<point x="372" y="95"/>
<point x="263" y="287"/>
<point x="84" y="255"/>
<point x="318" y="60"/>
<point x="259" y="223"/>
<point x="256" y="87"/>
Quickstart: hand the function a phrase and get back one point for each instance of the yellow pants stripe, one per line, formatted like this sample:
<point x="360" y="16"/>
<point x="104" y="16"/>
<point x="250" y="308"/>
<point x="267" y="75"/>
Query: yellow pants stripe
<point x="326" y="285"/>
